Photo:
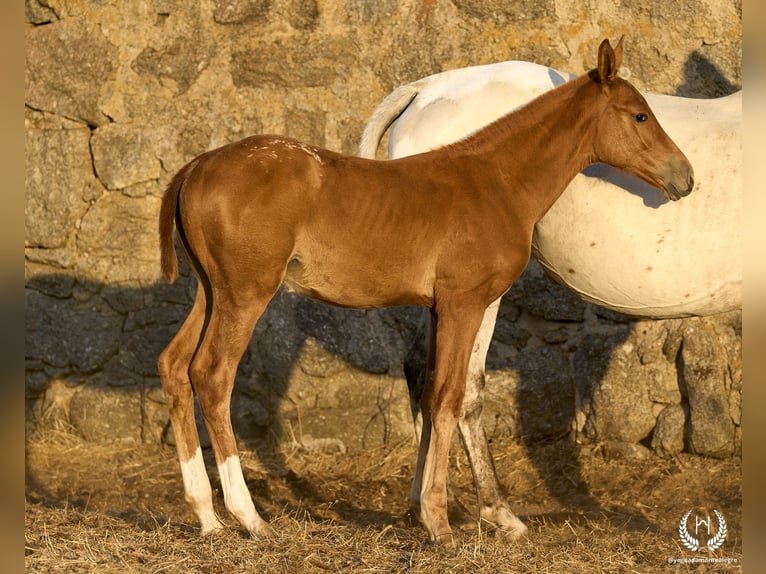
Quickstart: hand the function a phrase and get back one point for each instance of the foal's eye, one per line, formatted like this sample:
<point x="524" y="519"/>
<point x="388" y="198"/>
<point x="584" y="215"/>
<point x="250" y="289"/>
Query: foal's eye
<point x="641" y="117"/>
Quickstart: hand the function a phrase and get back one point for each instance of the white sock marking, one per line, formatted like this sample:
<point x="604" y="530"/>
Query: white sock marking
<point x="237" y="496"/>
<point x="198" y="492"/>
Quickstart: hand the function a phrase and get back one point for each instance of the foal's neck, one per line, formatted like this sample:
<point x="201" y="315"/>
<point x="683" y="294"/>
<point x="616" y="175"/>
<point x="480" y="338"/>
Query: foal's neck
<point x="539" y="148"/>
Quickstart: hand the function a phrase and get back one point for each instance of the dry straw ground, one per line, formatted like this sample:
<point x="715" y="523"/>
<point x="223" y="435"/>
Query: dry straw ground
<point x="92" y="508"/>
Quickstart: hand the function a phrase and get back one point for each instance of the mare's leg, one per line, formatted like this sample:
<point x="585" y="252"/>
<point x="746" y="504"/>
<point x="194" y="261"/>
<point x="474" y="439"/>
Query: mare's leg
<point x="174" y="373"/>
<point x="417" y="376"/>
<point x="493" y="505"/>
<point x="416" y="371"/>
<point x="233" y="316"/>
<point x="457" y="322"/>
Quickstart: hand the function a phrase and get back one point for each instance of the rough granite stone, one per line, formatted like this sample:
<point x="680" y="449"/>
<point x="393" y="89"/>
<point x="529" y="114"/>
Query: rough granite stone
<point x="119" y="95"/>
<point x="69" y="68"/>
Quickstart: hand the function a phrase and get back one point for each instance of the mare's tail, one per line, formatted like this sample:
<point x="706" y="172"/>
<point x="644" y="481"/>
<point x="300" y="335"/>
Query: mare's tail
<point x="384" y="115"/>
<point x="168" y="210"/>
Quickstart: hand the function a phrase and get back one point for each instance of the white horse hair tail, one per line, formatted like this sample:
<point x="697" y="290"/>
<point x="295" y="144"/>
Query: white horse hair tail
<point x="384" y="115"/>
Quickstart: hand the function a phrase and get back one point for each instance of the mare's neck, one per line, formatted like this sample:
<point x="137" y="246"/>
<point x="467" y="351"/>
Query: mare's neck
<point x="538" y="149"/>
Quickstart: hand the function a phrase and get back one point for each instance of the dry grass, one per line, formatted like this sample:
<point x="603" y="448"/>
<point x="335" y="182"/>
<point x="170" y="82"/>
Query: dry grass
<point x="120" y="509"/>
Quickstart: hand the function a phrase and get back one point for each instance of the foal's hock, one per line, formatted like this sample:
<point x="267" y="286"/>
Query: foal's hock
<point x="449" y="230"/>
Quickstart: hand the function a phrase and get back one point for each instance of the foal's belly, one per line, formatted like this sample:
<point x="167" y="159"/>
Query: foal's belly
<point x="361" y="283"/>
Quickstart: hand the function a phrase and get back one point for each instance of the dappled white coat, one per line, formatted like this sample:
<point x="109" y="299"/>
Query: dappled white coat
<point x="610" y="237"/>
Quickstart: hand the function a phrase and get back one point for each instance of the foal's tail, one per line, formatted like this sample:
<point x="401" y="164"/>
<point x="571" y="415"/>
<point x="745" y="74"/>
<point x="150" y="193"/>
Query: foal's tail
<point x="384" y="115"/>
<point x="168" y="210"/>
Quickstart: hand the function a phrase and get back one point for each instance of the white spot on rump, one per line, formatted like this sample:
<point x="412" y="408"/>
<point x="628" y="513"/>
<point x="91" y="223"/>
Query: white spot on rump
<point x="296" y="145"/>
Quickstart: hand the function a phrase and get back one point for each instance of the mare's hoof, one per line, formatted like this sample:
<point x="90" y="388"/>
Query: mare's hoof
<point x="446" y="539"/>
<point x="212" y="529"/>
<point x="505" y="523"/>
<point x="513" y="533"/>
<point x="263" y="530"/>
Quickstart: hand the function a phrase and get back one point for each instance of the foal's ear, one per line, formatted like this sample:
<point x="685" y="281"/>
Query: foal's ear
<point x="609" y="60"/>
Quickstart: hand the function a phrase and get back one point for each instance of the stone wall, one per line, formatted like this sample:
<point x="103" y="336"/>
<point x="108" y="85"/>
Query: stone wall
<point x="119" y="95"/>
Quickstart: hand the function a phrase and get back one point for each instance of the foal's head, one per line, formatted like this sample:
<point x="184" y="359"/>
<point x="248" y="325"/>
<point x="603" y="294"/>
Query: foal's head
<point x="629" y="136"/>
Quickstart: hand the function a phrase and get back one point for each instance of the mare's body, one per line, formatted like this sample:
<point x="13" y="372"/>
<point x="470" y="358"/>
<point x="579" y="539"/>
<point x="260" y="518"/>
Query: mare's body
<point x="609" y="237"/>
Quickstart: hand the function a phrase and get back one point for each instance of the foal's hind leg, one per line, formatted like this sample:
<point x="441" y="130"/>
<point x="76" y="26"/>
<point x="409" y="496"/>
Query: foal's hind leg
<point x="213" y="369"/>
<point x="174" y="373"/>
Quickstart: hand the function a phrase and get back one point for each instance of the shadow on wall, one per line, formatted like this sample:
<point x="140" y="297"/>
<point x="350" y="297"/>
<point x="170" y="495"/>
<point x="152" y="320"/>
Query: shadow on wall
<point x="702" y="78"/>
<point x="312" y="373"/>
<point x="315" y="375"/>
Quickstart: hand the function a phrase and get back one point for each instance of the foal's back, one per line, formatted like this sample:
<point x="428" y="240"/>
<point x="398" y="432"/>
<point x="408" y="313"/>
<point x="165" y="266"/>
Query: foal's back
<point x="354" y="232"/>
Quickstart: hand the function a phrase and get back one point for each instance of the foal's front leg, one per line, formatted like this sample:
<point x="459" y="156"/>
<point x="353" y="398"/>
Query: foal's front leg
<point x="493" y="504"/>
<point x="456" y="326"/>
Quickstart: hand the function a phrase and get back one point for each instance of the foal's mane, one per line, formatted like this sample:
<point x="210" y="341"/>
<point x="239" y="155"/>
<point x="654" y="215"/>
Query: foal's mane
<point x="523" y="117"/>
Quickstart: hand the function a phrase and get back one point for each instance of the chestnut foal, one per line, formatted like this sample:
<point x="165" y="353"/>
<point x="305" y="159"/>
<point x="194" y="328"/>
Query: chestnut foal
<point x="449" y="230"/>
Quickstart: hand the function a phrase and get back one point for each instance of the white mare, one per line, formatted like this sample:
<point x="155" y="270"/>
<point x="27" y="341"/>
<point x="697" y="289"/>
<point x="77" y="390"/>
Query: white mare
<point x="610" y="238"/>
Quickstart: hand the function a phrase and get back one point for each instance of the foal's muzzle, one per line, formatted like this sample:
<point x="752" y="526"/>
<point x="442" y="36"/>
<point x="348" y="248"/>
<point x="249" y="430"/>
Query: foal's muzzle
<point x="678" y="187"/>
<point x="675" y="193"/>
